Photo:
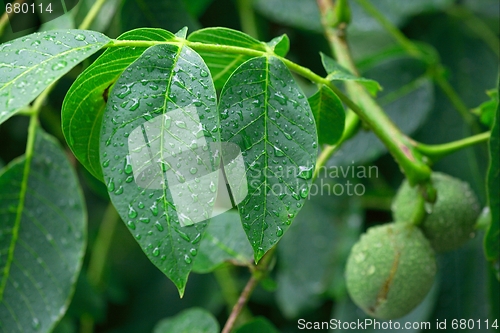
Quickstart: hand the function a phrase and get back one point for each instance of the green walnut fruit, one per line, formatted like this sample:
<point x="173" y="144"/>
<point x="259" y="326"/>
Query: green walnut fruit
<point x="390" y="270"/>
<point x="452" y="217"/>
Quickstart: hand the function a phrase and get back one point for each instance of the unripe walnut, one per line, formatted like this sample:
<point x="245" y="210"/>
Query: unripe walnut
<point x="390" y="270"/>
<point x="452" y="218"/>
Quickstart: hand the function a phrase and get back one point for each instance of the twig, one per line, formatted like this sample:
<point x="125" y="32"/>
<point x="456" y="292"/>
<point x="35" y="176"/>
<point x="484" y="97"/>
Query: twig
<point x="238" y="307"/>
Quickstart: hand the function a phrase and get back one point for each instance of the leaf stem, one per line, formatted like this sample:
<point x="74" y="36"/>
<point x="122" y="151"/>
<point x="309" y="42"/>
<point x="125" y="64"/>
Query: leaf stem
<point x="436" y="152"/>
<point x="91" y="15"/>
<point x="259" y="272"/>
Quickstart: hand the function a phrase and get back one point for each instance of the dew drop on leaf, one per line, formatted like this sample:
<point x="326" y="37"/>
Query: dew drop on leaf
<point x="131" y="212"/>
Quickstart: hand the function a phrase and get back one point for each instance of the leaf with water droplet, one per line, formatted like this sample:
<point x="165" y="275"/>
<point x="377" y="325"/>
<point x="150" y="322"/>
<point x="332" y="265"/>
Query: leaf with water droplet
<point x="43" y="237"/>
<point x="222" y="65"/>
<point x="329" y="115"/>
<point x="282" y="147"/>
<point x="338" y="73"/>
<point x="42" y="62"/>
<point x="85" y="101"/>
<point x="162" y="160"/>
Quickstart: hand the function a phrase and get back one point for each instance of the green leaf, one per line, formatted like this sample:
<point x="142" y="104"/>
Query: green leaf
<point x="170" y="15"/>
<point x="222" y="65"/>
<point x="85" y="101"/>
<point x="491" y="240"/>
<point x="30" y="64"/>
<point x="266" y="114"/>
<point x="159" y="157"/>
<point x="189" y="321"/>
<point x="42" y="238"/>
<point x="280" y="45"/>
<point x="223" y="240"/>
<point x="261" y="325"/>
<point x="486" y="111"/>
<point x="338" y="73"/>
<point x="329" y="115"/>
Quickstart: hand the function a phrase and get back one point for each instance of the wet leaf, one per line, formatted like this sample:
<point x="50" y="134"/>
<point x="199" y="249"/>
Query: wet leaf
<point x="338" y="73"/>
<point x="223" y="240"/>
<point x="159" y="154"/>
<point x="85" y="101"/>
<point x="42" y="238"/>
<point x="329" y="115"/>
<point x="30" y="64"/>
<point x="264" y="112"/>
<point x="222" y="65"/>
<point x="189" y="321"/>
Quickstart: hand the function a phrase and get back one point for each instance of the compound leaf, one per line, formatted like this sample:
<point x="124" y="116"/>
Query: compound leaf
<point x="265" y="113"/>
<point x="30" y="64"/>
<point x="85" y="101"/>
<point x="191" y="320"/>
<point x="159" y="155"/>
<point x="222" y="65"/>
<point x="42" y="238"/>
<point x="329" y="115"/>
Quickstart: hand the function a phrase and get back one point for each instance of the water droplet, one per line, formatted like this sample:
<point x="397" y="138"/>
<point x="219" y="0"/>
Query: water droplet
<point x="278" y="152"/>
<point x="305" y="172"/>
<point x="193" y="252"/>
<point x="280" y="98"/>
<point x="193" y="170"/>
<point x="287" y="135"/>
<point x="180" y="124"/>
<point x="119" y="190"/>
<point x="203" y="73"/>
<point x="144" y="219"/>
<point x="156" y="252"/>
<point x="154" y="208"/>
<point x="59" y="65"/>
<point x="128" y="165"/>
<point x="279" y="232"/>
<point x="131" y="212"/>
<point x="212" y="187"/>
<point x="196" y="239"/>
<point x="183" y="235"/>
<point x="158" y="226"/>
<point x="80" y="37"/>
<point x="36" y="324"/>
<point x="131" y="225"/>
<point x="111" y="185"/>
<point x="295" y="196"/>
<point x="304" y="192"/>
<point x="36" y="43"/>
<point x="188" y="259"/>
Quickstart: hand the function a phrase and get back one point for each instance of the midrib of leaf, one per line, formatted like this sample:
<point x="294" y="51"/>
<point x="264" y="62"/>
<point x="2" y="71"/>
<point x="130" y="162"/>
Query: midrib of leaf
<point x="266" y="142"/>
<point x="20" y="207"/>
<point x="43" y="62"/>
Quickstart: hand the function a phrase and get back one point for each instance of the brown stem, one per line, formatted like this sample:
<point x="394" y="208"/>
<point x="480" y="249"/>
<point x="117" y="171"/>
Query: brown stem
<point x="240" y="304"/>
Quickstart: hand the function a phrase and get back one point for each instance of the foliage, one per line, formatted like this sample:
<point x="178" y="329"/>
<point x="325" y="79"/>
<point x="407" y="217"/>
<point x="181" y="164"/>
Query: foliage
<point x="249" y="167"/>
